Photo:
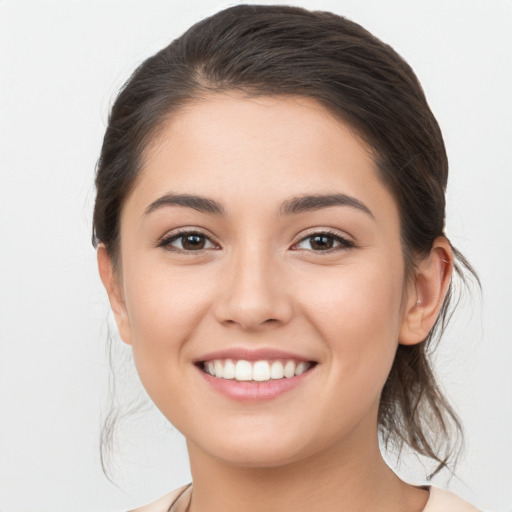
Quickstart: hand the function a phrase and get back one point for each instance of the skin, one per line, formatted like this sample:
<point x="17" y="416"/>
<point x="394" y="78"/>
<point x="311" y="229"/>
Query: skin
<point x="260" y="283"/>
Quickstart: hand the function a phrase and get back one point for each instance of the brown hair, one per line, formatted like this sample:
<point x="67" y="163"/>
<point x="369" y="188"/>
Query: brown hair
<point x="282" y="50"/>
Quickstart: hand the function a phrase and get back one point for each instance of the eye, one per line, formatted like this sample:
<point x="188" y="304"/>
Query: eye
<point x="323" y="242"/>
<point x="187" y="241"/>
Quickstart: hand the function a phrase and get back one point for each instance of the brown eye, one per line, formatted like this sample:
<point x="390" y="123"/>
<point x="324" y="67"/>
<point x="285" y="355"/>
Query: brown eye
<point x="320" y="242"/>
<point x="187" y="242"/>
<point x="193" y="242"/>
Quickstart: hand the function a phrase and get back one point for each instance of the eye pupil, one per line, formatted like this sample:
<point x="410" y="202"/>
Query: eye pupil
<point x="321" y="242"/>
<point x="193" y="242"/>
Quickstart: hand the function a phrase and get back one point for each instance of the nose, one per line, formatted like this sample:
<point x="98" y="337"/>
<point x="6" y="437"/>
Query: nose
<point x="253" y="293"/>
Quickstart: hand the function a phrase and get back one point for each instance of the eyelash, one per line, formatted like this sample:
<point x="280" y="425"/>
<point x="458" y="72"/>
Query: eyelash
<point x="166" y="241"/>
<point x="344" y="243"/>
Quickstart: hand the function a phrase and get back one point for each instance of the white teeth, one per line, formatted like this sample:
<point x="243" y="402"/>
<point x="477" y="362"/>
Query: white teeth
<point x="217" y="366"/>
<point x="229" y="369"/>
<point x="289" y="369"/>
<point x="243" y="370"/>
<point x="277" y="370"/>
<point x="301" y="368"/>
<point x="259" y="371"/>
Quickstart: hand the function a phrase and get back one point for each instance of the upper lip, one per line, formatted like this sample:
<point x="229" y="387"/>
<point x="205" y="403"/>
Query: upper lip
<point x="248" y="354"/>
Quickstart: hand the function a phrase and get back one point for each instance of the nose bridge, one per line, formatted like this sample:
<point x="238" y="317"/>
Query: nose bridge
<point x="255" y="289"/>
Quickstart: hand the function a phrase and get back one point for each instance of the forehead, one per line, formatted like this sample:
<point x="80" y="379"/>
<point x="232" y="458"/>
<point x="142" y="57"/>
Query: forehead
<point x="262" y="149"/>
<point x="219" y="119"/>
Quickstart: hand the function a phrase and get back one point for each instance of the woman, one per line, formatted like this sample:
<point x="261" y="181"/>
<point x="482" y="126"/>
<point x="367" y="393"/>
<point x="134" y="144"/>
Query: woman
<point x="270" y="227"/>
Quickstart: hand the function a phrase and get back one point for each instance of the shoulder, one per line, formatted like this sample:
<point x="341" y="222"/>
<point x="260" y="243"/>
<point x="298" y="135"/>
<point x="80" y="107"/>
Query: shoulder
<point x="445" y="501"/>
<point x="439" y="501"/>
<point x="162" y="504"/>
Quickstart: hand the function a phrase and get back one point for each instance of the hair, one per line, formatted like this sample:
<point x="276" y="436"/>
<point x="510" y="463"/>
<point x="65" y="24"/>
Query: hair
<point x="261" y="50"/>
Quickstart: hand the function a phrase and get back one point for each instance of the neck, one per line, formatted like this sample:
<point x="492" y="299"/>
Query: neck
<point x="340" y="479"/>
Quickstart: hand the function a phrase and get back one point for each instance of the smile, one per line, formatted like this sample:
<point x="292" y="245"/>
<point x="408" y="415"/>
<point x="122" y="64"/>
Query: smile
<point x="257" y="371"/>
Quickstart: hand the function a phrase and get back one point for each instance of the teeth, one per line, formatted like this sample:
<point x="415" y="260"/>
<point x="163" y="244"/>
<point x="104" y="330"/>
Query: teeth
<point x="301" y="368"/>
<point x="289" y="369"/>
<point x="217" y="368"/>
<point x="276" y="370"/>
<point x="243" y="370"/>
<point x="229" y="369"/>
<point x="259" y="371"/>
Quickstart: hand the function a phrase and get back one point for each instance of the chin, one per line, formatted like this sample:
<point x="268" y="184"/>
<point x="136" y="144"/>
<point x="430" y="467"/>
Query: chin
<point x="252" y="451"/>
<point x="258" y="458"/>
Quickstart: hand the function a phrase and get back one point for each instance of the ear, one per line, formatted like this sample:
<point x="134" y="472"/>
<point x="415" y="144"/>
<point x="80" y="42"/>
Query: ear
<point x="113" y="286"/>
<point x="426" y="292"/>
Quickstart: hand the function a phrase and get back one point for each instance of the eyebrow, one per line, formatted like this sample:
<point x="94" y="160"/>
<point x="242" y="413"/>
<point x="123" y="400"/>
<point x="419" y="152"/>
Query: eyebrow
<point x="199" y="203"/>
<point x="318" y="201"/>
<point x="291" y="206"/>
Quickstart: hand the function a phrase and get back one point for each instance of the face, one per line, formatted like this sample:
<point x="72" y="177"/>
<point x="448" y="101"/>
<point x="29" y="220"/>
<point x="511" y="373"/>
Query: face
<point x="261" y="283"/>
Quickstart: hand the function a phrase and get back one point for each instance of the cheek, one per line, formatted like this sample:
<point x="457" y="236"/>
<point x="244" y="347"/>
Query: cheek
<point x="357" y="311"/>
<point x="365" y="297"/>
<point x="165" y="306"/>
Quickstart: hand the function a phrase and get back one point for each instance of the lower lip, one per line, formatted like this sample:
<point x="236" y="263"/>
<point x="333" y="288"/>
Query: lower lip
<point x="251" y="391"/>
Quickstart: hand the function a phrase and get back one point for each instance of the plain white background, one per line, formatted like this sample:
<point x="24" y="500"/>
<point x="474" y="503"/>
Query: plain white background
<point x="61" y="63"/>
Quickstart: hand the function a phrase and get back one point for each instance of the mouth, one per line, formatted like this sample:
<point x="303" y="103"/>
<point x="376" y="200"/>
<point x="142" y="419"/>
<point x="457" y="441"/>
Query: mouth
<point x="263" y="370"/>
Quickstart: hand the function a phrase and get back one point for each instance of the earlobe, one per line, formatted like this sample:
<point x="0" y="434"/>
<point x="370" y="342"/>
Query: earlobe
<point x="426" y="293"/>
<point x="115" y="294"/>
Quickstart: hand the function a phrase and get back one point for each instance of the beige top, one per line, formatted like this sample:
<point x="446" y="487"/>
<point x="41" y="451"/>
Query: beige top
<point x="439" y="501"/>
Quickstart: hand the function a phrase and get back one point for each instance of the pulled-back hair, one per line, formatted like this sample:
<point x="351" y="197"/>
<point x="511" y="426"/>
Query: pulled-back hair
<point x="280" y="50"/>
